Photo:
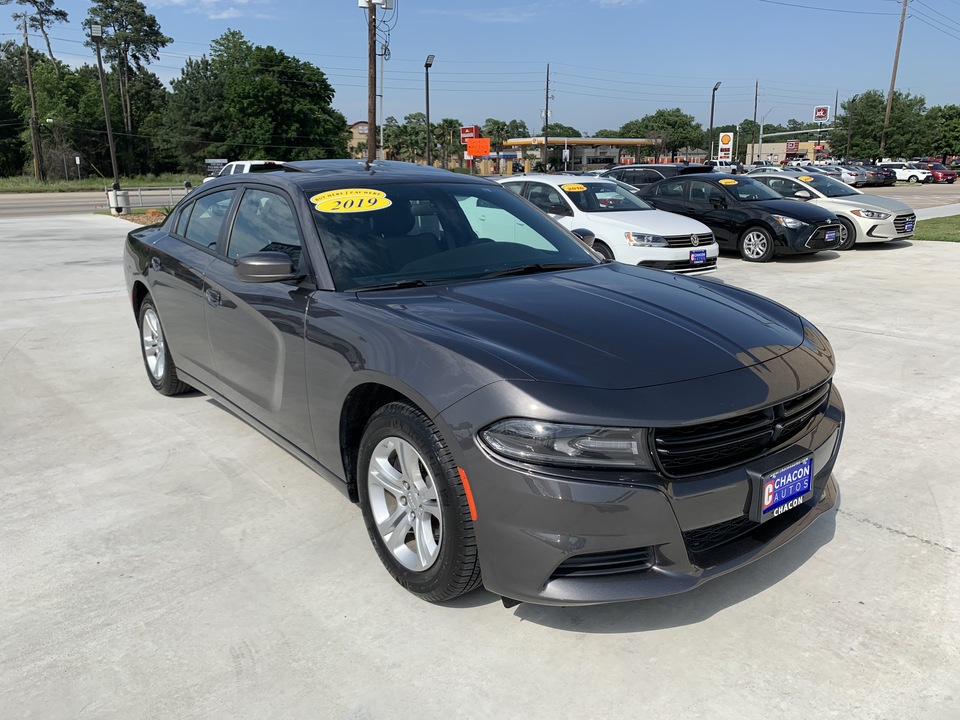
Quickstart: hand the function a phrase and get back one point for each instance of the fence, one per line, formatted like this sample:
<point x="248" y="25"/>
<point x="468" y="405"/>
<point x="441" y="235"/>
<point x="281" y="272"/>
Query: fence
<point x="140" y="197"/>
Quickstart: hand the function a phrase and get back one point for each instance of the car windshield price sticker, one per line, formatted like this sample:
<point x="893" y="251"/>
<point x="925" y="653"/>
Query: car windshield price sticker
<point x="728" y="181"/>
<point x="350" y="200"/>
<point x="805" y="178"/>
<point x="786" y="489"/>
<point x="574" y="187"/>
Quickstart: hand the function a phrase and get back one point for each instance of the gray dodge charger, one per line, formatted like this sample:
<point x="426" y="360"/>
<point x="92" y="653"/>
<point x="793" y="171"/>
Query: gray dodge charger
<point x="507" y="408"/>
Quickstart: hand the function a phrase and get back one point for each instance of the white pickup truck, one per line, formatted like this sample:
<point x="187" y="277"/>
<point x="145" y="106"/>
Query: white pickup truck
<point x="245" y="166"/>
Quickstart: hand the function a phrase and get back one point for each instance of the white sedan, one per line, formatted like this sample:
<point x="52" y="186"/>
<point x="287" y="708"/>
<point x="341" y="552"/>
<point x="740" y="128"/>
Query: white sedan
<point x="626" y="228"/>
<point x="863" y="217"/>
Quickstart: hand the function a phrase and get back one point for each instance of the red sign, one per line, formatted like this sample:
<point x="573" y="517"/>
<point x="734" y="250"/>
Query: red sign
<point x="821" y="113"/>
<point x="469" y="131"/>
<point x="793" y="146"/>
<point x="478" y="147"/>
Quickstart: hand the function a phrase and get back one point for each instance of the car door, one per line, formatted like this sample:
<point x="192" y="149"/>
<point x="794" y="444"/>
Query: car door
<point x="257" y="329"/>
<point x="175" y="275"/>
<point x="549" y="199"/>
<point x="716" y="209"/>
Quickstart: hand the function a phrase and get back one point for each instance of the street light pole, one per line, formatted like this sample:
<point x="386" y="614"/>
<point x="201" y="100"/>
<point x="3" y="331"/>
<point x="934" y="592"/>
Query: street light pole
<point x="96" y="34"/>
<point x="713" y="97"/>
<point x="426" y="77"/>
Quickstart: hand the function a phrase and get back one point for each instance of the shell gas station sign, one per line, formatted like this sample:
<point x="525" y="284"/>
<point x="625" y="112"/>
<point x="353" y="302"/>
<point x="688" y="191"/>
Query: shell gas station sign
<point x="726" y="146"/>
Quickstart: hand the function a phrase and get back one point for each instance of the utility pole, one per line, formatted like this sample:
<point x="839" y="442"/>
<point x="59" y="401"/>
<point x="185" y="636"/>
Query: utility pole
<point x="96" y="34"/>
<point x="753" y="135"/>
<point x="546" y="119"/>
<point x="893" y="80"/>
<point x="34" y="123"/>
<point x="371" y="82"/>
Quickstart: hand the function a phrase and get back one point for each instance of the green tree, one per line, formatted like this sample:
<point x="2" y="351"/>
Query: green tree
<point x="607" y="133"/>
<point x="677" y="129"/>
<point x="14" y="153"/>
<point x="517" y="129"/>
<point x="943" y="130"/>
<point x="447" y="134"/>
<point x="497" y="131"/>
<point x="131" y="39"/>
<point x="559" y="130"/>
<point x="40" y="15"/>
<point x="860" y="126"/>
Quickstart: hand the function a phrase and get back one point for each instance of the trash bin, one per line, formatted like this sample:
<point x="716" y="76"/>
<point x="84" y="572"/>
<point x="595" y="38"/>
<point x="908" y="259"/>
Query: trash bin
<point x="119" y="201"/>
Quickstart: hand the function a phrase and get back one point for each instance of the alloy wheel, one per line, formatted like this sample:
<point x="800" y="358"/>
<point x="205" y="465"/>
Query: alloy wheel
<point x="154" y="351"/>
<point x="755" y="244"/>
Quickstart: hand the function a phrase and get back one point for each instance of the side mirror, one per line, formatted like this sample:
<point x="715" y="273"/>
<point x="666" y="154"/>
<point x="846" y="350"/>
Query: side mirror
<point x="803" y="194"/>
<point x="559" y="209"/>
<point x="261" y="267"/>
<point x="586" y="235"/>
<point x="718" y="203"/>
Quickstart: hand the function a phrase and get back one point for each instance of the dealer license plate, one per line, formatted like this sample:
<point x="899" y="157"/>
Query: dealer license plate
<point x="786" y="488"/>
<point x="831" y="235"/>
<point x="908" y="227"/>
<point x="698" y="257"/>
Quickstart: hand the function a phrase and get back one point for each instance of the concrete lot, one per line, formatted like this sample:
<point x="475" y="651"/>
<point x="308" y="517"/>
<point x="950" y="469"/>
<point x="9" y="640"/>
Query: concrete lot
<point x="161" y="559"/>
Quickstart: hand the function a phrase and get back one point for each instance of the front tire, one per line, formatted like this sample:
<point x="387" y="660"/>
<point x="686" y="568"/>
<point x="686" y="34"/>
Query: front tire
<point x="913" y="179"/>
<point x="415" y="506"/>
<point x="848" y="234"/>
<point x="603" y="249"/>
<point x="756" y="245"/>
<point x="161" y="370"/>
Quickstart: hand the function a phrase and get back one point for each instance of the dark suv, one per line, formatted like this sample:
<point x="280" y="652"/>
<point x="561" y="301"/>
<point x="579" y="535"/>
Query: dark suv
<point x="643" y="174"/>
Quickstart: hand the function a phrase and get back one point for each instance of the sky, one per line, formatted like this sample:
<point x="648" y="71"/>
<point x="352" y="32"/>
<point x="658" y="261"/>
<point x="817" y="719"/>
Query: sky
<point x="610" y="61"/>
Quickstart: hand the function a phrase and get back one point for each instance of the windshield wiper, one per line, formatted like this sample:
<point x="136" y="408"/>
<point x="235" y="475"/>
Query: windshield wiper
<point x="415" y="282"/>
<point x="536" y="268"/>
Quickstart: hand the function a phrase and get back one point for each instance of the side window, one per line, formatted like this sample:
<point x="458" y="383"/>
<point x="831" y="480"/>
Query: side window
<point x="265" y="222"/>
<point x="672" y="189"/>
<point x="543" y="196"/>
<point x="700" y="191"/>
<point x="515" y="187"/>
<point x="206" y="218"/>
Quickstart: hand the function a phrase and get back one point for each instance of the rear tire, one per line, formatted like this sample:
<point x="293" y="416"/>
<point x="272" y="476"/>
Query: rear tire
<point x="756" y="245"/>
<point x="415" y="506"/>
<point x="848" y="234"/>
<point x="161" y="370"/>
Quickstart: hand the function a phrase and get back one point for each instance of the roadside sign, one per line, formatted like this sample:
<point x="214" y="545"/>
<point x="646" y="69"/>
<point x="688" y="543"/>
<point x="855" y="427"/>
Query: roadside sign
<point x="469" y="131"/>
<point x="793" y="146"/>
<point x="478" y="147"/>
<point x="726" y="147"/>
<point x="821" y="113"/>
<point x="215" y="165"/>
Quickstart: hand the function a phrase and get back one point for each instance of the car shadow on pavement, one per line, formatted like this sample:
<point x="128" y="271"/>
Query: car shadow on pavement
<point x="694" y="606"/>
<point x="883" y="246"/>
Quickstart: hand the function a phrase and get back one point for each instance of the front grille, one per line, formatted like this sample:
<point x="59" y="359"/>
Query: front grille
<point x="681" y="265"/>
<point x="900" y="222"/>
<point x="707" y="538"/>
<point x="714" y="446"/>
<point x="818" y="241"/>
<point x="703" y="240"/>
<point x="613" y="562"/>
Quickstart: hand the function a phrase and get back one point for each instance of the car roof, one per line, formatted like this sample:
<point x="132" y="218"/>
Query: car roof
<point x="334" y="174"/>
<point x="558" y="180"/>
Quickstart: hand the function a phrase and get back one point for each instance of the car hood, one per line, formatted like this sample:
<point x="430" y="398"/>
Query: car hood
<point x="870" y="202"/>
<point x="610" y="326"/>
<point x="792" y="208"/>
<point x="658" y="222"/>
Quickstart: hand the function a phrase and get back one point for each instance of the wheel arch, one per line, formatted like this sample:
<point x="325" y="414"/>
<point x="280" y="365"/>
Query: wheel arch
<point x="138" y="292"/>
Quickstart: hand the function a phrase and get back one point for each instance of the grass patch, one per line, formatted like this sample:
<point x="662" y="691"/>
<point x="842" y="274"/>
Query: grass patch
<point x="944" y="229"/>
<point x="29" y="185"/>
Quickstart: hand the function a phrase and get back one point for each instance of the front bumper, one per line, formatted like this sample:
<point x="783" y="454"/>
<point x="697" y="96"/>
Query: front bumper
<point x="570" y="538"/>
<point x="673" y="259"/>
<point x="894" y="228"/>
<point x="810" y="238"/>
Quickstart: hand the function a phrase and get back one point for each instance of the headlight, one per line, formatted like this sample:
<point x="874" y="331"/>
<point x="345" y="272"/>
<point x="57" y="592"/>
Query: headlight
<point x="546" y="443"/>
<point x="645" y="240"/>
<point x="870" y="214"/>
<point x="789" y="222"/>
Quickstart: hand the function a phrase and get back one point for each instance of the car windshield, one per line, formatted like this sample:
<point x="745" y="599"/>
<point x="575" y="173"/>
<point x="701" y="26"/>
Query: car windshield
<point x="827" y="185"/>
<point x="936" y="166"/>
<point x="748" y="189"/>
<point x="395" y="235"/>
<point x="602" y="197"/>
<point x="631" y="190"/>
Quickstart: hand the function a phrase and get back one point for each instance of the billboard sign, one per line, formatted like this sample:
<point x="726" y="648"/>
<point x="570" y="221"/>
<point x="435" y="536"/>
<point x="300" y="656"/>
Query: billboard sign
<point x="478" y="147"/>
<point x="821" y="113"/>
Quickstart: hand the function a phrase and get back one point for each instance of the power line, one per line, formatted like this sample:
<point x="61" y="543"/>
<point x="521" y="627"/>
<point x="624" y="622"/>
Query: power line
<point x="823" y="9"/>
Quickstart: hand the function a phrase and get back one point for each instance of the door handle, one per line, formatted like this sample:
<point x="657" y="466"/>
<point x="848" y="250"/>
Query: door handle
<point x="156" y="264"/>
<point x="213" y="297"/>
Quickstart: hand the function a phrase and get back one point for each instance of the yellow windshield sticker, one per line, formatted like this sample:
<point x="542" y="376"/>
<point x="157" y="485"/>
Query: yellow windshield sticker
<point x="351" y="200"/>
<point x="805" y="178"/>
<point x="574" y="187"/>
<point x="729" y="181"/>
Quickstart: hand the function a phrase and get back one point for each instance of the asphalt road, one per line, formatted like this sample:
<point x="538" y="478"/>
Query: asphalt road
<point x="161" y="559"/>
